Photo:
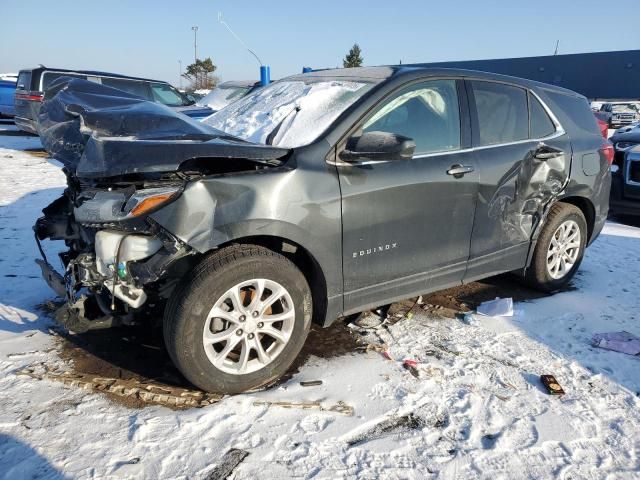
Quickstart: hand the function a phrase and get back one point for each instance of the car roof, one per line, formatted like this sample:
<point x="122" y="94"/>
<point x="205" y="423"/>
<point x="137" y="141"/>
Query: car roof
<point x="238" y="83"/>
<point x="94" y="73"/>
<point x="381" y="73"/>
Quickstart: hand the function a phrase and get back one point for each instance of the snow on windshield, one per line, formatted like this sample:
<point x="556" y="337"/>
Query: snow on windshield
<point x="292" y="113"/>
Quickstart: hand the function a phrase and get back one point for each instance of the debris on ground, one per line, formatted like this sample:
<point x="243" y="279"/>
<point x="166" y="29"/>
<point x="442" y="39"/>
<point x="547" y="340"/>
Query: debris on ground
<point x="339" y="407"/>
<point x="552" y="385"/>
<point x="228" y="464"/>
<point x="500" y="307"/>
<point x="311" y="383"/>
<point x="623" y="342"/>
<point x="395" y="424"/>
<point x="150" y="393"/>
<point x="412" y="367"/>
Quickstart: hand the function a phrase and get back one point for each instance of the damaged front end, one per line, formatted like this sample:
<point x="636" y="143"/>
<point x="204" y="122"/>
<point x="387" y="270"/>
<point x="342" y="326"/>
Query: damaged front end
<point x="124" y="158"/>
<point x="118" y="260"/>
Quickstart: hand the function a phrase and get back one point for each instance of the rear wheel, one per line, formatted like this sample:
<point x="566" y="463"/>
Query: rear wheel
<point x="240" y="321"/>
<point x="559" y="249"/>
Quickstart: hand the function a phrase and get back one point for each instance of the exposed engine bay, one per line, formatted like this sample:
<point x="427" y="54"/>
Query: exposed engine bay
<point x="124" y="159"/>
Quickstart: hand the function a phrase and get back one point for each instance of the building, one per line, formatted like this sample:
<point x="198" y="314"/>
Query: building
<point x="597" y="76"/>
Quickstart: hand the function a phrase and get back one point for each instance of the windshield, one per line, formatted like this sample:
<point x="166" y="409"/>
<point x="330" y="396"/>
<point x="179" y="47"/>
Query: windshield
<point x="288" y="113"/>
<point x="624" y="107"/>
<point x="169" y="96"/>
<point x="220" y="97"/>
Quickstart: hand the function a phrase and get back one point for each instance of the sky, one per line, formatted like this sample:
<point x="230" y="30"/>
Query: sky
<point x="149" y="38"/>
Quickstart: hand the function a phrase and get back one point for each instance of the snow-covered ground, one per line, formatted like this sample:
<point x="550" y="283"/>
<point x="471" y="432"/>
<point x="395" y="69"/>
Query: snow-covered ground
<point x="477" y="409"/>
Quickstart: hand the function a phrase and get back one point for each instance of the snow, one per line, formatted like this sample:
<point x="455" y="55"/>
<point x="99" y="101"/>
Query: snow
<point x="483" y="412"/>
<point x="305" y="110"/>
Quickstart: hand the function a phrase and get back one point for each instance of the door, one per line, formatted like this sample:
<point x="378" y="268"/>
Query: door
<point x="523" y="160"/>
<point x="407" y="223"/>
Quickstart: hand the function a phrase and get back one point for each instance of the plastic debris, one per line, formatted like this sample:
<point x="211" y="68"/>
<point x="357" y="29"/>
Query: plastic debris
<point x="623" y="342"/>
<point x="500" y="307"/>
<point x="412" y="367"/>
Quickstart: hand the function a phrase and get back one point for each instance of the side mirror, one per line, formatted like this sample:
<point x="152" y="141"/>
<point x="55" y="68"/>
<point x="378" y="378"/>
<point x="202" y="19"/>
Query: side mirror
<point x="378" y="146"/>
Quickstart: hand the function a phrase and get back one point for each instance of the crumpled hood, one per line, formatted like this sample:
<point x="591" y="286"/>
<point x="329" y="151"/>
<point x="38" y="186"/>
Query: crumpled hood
<point x="98" y="131"/>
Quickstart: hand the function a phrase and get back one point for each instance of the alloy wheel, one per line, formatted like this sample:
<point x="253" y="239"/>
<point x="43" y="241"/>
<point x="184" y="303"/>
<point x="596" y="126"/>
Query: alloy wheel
<point x="564" y="249"/>
<point x="249" y="326"/>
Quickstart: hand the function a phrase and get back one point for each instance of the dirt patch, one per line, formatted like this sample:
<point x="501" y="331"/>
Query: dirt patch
<point x="135" y="357"/>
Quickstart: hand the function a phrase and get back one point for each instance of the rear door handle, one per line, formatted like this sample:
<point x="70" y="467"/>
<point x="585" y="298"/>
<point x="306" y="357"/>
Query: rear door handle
<point x="458" y="171"/>
<point x="547" y="152"/>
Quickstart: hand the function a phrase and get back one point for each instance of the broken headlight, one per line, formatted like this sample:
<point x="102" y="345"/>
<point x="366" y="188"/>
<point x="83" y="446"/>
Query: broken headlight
<point x="150" y="199"/>
<point x="105" y="206"/>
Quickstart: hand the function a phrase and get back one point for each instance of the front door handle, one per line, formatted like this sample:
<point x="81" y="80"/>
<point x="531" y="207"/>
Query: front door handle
<point x="458" y="171"/>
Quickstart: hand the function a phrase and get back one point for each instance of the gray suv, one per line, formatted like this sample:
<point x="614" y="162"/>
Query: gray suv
<point x="319" y="196"/>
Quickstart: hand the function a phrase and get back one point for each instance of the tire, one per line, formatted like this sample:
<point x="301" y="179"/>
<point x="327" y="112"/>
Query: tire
<point x="542" y="273"/>
<point x="230" y="280"/>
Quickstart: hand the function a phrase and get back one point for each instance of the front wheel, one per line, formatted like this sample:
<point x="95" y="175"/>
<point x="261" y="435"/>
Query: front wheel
<point x="240" y="321"/>
<point x="559" y="249"/>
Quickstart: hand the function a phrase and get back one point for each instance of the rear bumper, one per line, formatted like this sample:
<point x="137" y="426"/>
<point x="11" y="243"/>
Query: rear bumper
<point x="25" y="124"/>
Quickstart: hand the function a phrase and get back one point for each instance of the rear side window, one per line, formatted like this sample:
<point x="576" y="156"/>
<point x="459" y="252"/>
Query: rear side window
<point x="501" y="111"/>
<point x="130" y="86"/>
<point x="428" y="113"/>
<point x="540" y="124"/>
<point x="49" y="77"/>
<point x="24" y="81"/>
<point x="573" y="112"/>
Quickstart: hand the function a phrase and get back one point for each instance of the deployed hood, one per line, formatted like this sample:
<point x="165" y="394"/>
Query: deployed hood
<point x="98" y="131"/>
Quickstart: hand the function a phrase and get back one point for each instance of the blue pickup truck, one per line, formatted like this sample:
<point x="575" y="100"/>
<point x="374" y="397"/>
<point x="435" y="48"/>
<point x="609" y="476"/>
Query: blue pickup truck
<point x="7" y="90"/>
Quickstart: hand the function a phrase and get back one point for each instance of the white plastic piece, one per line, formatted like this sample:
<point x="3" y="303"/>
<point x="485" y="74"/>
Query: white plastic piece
<point x="131" y="248"/>
<point x="133" y="296"/>
<point x="500" y="307"/>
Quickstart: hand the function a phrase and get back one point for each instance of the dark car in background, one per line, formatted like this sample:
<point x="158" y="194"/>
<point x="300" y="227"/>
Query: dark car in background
<point x="318" y="196"/>
<point x="228" y="92"/>
<point x="625" y="177"/>
<point x="32" y="84"/>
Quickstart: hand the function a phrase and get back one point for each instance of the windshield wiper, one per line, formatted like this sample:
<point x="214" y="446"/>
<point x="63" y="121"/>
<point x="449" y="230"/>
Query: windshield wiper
<point x="274" y="132"/>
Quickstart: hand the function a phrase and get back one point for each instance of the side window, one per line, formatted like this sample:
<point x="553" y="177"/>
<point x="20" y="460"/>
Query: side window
<point x="129" y="86"/>
<point x="428" y="113"/>
<point x="502" y="113"/>
<point x="167" y="95"/>
<point x="540" y="125"/>
<point x="49" y="77"/>
<point x="24" y="81"/>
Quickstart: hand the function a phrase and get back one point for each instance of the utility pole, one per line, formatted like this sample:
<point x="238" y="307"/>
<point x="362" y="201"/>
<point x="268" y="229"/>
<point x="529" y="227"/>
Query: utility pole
<point x="195" y="50"/>
<point x="557" y="45"/>
<point x="195" y="43"/>
<point x="180" y="73"/>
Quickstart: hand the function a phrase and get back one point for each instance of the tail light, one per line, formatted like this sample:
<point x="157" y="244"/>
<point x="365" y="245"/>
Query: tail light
<point x="604" y="128"/>
<point x="32" y="98"/>
<point x="608" y="151"/>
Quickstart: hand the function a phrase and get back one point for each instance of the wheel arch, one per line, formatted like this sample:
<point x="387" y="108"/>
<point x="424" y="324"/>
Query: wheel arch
<point x="588" y="210"/>
<point x="304" y="260"/>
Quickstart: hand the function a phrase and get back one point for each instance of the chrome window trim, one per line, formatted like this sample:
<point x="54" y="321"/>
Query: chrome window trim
<point x="558" y="133"/>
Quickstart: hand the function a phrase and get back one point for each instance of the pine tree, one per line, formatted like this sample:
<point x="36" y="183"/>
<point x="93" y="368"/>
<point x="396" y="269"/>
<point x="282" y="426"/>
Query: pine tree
<point x="199" y="73"/>
<point x="353" y="58"/>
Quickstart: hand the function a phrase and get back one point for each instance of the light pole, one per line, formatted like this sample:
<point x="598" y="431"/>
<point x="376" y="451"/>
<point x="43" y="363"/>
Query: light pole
<point x="180" y="73"/>
<point x="195" y="43"/>
<point x="195" y="50"/>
